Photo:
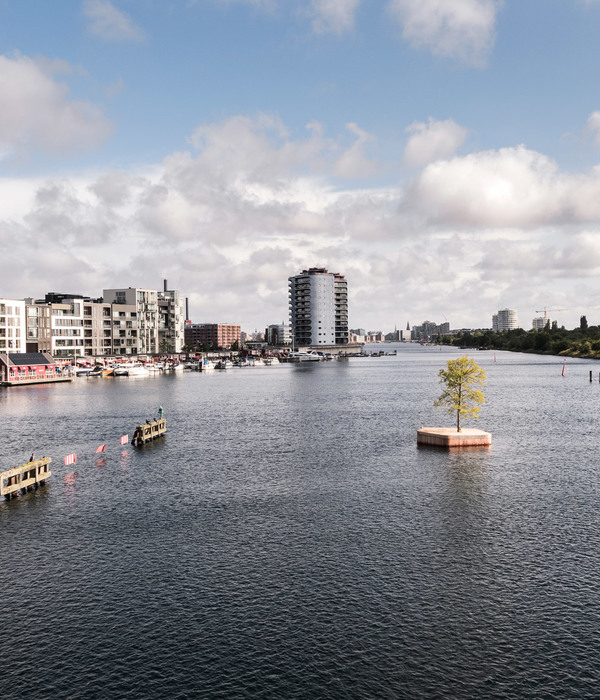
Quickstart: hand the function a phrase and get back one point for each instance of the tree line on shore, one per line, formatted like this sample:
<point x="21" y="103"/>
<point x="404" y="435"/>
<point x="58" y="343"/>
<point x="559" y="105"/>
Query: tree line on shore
<point x="551" y="340"/>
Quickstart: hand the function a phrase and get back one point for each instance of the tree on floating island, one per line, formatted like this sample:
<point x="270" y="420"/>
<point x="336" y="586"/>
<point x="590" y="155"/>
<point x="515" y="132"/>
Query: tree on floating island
<point x="461" y="394"/>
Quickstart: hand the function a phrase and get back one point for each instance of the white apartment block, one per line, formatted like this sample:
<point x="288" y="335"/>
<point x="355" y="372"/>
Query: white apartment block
<point x="318" y="308"/>
<point x="12" y="325"/>
<point x="505" y="320"/>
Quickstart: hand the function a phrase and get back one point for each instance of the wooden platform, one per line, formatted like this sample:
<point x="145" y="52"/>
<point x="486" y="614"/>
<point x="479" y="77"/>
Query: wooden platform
<point x="150" y="430"/>
<point x="25" y="477"/>
<point x="450" y="438"/>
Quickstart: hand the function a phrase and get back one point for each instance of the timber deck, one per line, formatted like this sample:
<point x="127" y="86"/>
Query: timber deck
<point x="25" y="477"/>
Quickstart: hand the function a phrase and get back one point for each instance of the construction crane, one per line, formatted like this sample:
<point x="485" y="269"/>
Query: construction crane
<point x="545" y="310"/>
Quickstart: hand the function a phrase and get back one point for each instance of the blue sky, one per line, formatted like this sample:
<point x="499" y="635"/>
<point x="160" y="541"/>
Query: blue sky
<point x="442" y="154"/>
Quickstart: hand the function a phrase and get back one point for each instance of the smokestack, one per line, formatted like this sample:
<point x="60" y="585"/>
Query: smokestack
<point x="187" y="309"/>
<point x="165" y="286"/>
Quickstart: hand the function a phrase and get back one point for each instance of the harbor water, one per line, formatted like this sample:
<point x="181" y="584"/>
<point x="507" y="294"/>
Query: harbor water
<point x="288" y="539"/>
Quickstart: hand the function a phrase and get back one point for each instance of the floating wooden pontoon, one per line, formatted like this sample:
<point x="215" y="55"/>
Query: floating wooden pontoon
<point x="150" y="430"/>
<point x="24" y="478"/>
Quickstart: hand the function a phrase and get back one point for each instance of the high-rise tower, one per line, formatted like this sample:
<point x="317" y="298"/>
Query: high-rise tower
<point x="318" y="308"/>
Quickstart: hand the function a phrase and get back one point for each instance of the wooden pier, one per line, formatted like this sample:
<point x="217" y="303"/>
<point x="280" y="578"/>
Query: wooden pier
<point x="25" y="477"/>
<point x="150" y="430"/>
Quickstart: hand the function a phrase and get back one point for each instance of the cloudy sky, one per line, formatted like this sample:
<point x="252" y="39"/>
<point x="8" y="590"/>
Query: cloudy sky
<point x="444" y="155"/>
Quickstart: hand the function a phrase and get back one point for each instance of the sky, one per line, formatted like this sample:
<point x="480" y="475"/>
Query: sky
<point x="443" y="155"/>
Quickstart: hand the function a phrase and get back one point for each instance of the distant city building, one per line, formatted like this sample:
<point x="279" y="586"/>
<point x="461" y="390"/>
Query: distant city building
<point x="221" y="335"/>
<point x="505" y="320"/>
<point x="318" y="308"/>
<point x="540" y="322"/>
<point x="12" y="325"/>
<point x="278" y="334"/>
<point x="398" y="336"/>
<point x="429" y="331"/>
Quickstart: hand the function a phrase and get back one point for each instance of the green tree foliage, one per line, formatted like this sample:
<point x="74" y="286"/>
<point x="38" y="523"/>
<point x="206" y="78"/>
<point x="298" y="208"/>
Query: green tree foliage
<point x="462" y="394"/>
<point x="547" y="341"/>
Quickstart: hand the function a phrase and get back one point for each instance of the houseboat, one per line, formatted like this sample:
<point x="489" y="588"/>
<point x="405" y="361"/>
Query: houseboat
<point x="19" y="368"/>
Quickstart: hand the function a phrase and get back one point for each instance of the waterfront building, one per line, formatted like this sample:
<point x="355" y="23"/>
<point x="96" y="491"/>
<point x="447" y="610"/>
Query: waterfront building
<point x="97" y="328"/>
<point x="20" y="368"/>
<point x="145" y="302"/>
<point x="278" y="334"/>
<point x="221" y="335"/>
<point x="55" y="325"/>
<point x="318" y="308"/>
<point x="125" y="332"/>
<point x="505" y="320"/>
<point x="171" y="318"/>
<point x="12" y="325"/>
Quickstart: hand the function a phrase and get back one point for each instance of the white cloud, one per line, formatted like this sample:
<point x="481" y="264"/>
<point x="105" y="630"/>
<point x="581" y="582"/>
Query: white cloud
<point x="462" y="29"/>
<point x="37" y="113"/>
<point x="109" y="23"/>
<point x="228" y="222"/>
<point x="432" y="141"/>
<point x="333" y="16"/>
<point x="509" y="187"/>
<point x="593" y="127"/>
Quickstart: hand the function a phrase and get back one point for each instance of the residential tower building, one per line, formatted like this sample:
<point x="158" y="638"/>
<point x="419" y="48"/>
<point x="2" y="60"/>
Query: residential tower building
<point x="318" y="308"/>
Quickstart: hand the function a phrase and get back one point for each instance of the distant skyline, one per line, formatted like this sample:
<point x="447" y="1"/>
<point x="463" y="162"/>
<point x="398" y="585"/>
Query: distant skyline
<point x="443" y="156"/>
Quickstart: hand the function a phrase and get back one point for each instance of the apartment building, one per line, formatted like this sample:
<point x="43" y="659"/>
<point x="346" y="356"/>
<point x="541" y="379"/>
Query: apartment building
<point x="144" y="303"/>
<point x="12" y="325"/>
<point x="221" y="335"/>
<point x="505" y="320"/>
<point x="318" y="308"/>
<point x="171" y="317"/>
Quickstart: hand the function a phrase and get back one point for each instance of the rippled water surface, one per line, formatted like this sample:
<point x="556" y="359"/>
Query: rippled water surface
<point x="287" y="539"/>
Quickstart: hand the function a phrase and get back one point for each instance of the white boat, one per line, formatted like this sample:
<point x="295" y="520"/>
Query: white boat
<point x="258" y="362"/>
<point x="271" y="360"/>
<point x="305" y="356"/>
<point x="83" y="371"/>
<point x="205" y="365"/>
<point x="138" y="370"/>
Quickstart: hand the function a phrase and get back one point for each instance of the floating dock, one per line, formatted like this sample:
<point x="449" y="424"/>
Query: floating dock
<point x="25" y="477"/>
<point x="150" y="430"/>
<point x="450" y="438"/>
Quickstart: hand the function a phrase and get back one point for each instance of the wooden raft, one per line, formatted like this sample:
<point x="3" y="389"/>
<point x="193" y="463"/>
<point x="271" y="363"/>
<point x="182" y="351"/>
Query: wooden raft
<point x="150" y="430"/>
<point x="25" y="477"/>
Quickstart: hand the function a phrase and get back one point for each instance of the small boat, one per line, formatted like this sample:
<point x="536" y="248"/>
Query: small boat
<point x="271" y="360"/>
<point x="304" y="356"/>
<point x="82" y="371"/>
<point x="96" y="371"/>
<point x="205" y="365"/>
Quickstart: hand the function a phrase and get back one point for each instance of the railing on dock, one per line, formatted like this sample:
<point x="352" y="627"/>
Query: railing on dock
<point x="150" y="430"/>
<point x="25" y="477"/>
